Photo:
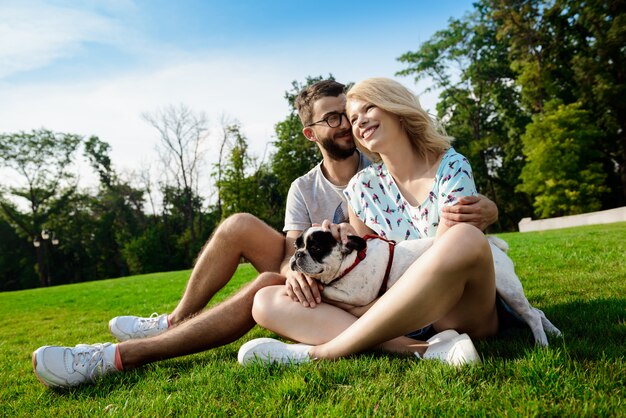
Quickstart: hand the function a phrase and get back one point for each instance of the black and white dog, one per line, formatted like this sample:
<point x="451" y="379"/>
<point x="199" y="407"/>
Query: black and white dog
<point x="364" y="268"/>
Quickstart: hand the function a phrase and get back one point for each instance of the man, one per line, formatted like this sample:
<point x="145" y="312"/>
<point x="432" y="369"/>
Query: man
<point x="312" y="198"/>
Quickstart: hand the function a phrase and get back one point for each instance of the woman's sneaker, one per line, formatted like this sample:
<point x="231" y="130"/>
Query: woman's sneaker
<point x="456" y="350"/>
<point x="70" y="366"/>
<point x="131" y="327"/>
<point x="269" y="351"/>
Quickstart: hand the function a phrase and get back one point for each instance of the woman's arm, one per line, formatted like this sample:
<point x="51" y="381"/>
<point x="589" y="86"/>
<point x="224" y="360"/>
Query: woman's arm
<point x="358" y="225"/>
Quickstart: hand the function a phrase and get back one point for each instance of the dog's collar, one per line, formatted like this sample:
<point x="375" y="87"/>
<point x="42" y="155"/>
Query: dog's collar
<point x="361" y="256"/>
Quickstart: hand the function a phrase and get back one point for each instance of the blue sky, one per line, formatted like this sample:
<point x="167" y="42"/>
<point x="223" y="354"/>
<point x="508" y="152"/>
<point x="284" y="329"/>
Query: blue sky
<point x="92" y="67"/>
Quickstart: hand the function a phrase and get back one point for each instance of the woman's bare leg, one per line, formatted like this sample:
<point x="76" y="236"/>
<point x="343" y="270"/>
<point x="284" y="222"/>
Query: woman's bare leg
<point x="275" y="310"/>
<point x="451" y="286"/>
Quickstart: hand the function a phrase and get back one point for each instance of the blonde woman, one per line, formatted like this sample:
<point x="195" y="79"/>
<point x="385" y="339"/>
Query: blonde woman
<point x="450" y="289"/>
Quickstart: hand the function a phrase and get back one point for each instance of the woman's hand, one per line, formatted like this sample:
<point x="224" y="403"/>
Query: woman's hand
<point x="340" y="231"/>
<point x="303" y="289"/>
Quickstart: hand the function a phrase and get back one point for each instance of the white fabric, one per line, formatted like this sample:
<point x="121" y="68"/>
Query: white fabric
<point x="312" y="198"/>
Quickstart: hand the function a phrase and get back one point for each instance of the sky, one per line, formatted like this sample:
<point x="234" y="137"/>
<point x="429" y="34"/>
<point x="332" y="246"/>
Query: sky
<point x="93" y="67"/>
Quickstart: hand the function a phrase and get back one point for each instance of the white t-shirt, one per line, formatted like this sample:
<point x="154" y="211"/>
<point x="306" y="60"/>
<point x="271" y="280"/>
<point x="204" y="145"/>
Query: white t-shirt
<point x="312" y="198"/>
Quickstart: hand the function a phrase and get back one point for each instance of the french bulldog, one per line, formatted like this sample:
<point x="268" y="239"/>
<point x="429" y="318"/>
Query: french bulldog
<point x="364" y="268"/>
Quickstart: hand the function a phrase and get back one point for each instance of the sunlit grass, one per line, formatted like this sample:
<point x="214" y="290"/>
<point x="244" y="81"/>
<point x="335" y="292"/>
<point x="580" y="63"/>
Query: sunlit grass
<point x="576" y="276"/>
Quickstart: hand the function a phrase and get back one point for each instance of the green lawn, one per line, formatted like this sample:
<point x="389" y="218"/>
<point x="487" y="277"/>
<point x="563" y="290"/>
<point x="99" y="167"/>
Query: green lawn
<point x="576" y="276"/>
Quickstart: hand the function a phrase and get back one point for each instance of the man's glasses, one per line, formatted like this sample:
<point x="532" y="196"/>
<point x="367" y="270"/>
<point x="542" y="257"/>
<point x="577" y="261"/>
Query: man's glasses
<point x="333" y="120"/>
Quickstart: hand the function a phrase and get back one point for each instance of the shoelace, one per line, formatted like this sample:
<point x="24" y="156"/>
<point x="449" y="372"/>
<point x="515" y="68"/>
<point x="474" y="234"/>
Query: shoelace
<point x="89" y="361"/>
<point x="145" y="324"/>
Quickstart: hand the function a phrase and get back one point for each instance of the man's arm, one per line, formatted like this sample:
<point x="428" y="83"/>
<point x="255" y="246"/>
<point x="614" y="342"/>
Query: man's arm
<point x="475" y="210"/>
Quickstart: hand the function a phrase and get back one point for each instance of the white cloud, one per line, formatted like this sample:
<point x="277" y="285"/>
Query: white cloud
<point x="245" y="84"/>
<point x="33" y="34"/>
<point x="249" y="90"/>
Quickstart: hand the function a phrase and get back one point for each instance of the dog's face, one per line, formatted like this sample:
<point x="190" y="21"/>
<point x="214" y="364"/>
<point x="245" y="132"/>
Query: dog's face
<point x="322" y="257"/>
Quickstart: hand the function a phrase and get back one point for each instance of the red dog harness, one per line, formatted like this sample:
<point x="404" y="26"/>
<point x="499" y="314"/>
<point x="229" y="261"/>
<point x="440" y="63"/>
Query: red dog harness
<point x="361" y="256"/>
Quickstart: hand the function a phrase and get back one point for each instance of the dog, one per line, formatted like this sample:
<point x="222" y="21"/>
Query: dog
<point x="365" y="267"/>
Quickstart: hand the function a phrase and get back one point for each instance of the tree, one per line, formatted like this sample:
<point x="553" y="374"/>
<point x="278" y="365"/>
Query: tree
<point x="117" y="212"/>
<point x="237" y="189"/>
<point x="182" y="134"/>
<point x="16" y="260"/>
<point x="573" y="51"/>
<point x="295" y="154"/>
<point x="562" y="172"/>
<point x="40" y="161"/>
<point x="479" y="104"/>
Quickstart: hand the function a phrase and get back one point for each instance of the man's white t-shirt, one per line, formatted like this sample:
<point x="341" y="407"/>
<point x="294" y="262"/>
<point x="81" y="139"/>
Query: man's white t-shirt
<point x="312" y="198"/>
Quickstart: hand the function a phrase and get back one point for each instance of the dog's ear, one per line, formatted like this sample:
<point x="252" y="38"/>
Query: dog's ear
<point x="354" y="243"/>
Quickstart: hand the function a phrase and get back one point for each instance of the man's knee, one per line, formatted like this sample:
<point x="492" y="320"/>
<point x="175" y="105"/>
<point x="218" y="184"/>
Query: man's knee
<point x="235" y="226"/>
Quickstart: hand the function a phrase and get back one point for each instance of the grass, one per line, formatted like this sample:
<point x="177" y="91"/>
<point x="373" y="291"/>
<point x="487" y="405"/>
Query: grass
<point x="577" y="276"/>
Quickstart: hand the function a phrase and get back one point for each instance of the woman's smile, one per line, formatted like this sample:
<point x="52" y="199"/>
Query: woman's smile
<point x="368" y="132"/>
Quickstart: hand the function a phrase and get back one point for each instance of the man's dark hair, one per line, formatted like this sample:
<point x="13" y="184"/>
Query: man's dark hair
<point x="308" y="96"/>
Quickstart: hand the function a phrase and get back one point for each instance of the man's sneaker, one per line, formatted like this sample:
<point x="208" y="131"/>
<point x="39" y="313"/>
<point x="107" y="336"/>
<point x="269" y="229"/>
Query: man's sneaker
<point x="70" y="366"/>
<point x="269" y="350"/>
<point x="454" y="350"/>
<point x="130" y="327"/>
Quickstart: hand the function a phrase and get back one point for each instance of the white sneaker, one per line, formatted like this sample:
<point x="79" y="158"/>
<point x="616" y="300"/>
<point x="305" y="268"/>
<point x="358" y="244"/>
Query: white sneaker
<point x="454" y="350"/>
<point x="269" y="350"/>
<point x="70" y="366"/>
<point x="130" y="327"/>
<point x="446" y="335"/>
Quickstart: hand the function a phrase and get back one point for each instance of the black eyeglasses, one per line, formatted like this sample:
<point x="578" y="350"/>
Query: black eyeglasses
<point x="333" y="120"/>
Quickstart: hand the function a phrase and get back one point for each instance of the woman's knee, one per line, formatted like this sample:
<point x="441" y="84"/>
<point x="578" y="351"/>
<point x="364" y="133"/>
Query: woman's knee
<point x="467" y="243"/>
<point x="266" y="303"/>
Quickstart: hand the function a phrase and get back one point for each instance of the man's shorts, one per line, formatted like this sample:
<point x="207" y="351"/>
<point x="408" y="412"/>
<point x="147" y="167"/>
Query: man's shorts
<point x="507" y="319"/>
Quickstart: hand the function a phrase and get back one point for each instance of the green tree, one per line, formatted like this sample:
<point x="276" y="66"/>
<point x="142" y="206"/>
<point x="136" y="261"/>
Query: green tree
<point x="16" y="260"/>
<point x="573" y="51"/>
<point x="562" y="173"/>
<point x="40" y="162"/>
<point x="237" y="188"/>
<point x="294" y="154"/>
<point x="479" y="104"/>
<point x="117" y="212"/>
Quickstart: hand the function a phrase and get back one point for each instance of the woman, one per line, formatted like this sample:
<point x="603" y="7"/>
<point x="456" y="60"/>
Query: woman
<point x="452" y="286"/>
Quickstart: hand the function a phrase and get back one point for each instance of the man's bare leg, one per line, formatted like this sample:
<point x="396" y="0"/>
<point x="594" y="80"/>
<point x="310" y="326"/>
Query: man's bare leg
<point x="212" y="328"/>
<point x="240" y="235"/>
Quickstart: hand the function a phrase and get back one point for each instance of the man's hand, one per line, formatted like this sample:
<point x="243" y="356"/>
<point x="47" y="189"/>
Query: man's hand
<point x="475" y="210"/>
<point x="303" y="289"/>
<point x="340" y="231"/>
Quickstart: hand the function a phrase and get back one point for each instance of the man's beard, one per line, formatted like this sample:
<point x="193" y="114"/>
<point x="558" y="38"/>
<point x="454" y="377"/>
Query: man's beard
<point x="335" y="151"/>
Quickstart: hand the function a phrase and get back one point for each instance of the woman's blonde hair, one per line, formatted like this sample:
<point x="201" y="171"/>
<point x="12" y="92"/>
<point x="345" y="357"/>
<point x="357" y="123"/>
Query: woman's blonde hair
<point x="391" y="96"/>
